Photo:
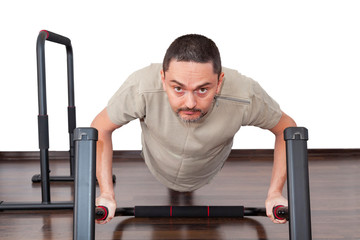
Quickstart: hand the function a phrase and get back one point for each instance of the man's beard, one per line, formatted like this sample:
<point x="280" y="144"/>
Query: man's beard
<point x="202" y="114"/>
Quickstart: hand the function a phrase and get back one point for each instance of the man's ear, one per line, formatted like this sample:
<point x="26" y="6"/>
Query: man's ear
<point x="220" y="81"/>
<point x="163" y="79"/>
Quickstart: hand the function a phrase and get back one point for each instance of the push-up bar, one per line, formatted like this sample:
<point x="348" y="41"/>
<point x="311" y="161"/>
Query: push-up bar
<point x="280" y="212"/>
<point x="297" y="183"/>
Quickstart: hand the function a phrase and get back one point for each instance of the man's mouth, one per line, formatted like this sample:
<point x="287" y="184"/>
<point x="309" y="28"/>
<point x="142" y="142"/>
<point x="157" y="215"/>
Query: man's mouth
<point x="190" y="115"/>
<point x="188" y="111"/>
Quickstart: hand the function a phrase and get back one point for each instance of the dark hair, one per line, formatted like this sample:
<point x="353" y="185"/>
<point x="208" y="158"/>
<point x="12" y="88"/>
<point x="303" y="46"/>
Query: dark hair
<point x="193" y="48"/>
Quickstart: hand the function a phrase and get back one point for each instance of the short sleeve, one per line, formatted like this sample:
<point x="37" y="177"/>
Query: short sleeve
<point x="263" y="111"/>
<point x="127" y="103"/>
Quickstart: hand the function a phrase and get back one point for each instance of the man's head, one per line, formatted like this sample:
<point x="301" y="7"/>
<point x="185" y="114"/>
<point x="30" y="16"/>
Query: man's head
<point x="192" y="76"/>
<point x="193" y="48"/>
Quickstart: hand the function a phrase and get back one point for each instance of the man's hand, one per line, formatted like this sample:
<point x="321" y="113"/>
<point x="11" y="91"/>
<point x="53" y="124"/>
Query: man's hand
<point x="273" y="200"/>
<point x="106" y="200"/>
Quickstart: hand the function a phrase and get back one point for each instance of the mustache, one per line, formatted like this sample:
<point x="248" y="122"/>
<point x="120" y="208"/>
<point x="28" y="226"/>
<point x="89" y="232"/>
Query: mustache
<point x="189" y="110"/>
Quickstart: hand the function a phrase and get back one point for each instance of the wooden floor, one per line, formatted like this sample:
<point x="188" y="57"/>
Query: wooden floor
<point x="335" y="202"/>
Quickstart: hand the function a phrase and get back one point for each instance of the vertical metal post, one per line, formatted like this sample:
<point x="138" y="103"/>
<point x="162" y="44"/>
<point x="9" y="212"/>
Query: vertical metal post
<point x="71" y="106"/>
<point x="84" y="206"/>
<point x="298" y="183"/>
<point x="43" y="119"/>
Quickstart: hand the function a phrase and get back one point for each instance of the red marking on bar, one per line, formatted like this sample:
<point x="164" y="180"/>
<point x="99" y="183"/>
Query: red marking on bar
<point x="170" y="211"/>
<point x="105" y="215"/>
<point x="47" y="33"/>
<point x="208" y="211"/>
<point x="276" y="216"/>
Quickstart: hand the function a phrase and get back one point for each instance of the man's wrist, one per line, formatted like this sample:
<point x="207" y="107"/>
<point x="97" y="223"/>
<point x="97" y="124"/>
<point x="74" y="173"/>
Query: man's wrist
<point x="272" y="193"/>
<point x="108" y="194"/>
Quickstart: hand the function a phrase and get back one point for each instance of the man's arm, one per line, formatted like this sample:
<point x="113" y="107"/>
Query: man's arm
<point x="278" y="177"/>
<point x="104" y="157"/>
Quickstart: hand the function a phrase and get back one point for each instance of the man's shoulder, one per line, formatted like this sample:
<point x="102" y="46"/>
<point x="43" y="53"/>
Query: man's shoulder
<point x="236" y="84"/>
<point x="148" y="78"/>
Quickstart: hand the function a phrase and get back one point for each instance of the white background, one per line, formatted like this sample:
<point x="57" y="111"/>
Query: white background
<point x="305" y="54"/>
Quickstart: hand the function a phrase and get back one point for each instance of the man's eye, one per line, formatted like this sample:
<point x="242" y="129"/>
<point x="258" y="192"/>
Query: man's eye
<point x="178" y="89"/>
<point x="202" y="90"/>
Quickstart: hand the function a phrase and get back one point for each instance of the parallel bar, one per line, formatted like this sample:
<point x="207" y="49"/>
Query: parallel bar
<point x="280" y="212"/>
<point x="36" y="206"/>
<point x="298" y="183"/>
<point x="44" y="177"/>
<point x="84" y="211"/>
<point x="43" y="127"/>
<point x="189" y="211"/>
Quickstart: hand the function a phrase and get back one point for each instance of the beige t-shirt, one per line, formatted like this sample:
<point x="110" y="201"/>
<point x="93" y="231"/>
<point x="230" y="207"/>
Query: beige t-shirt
<point x="186" y="156"/>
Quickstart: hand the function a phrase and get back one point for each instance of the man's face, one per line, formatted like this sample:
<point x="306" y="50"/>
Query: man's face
<point x="191" y="88"/>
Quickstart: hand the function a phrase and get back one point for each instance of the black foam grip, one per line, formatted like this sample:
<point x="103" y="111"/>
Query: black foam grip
<point x="53" y="37"/>
<point x="43" y="124"/>
<point x="189" y="211"/>
<point x="152" y="211"/>
<point x="280" y="212"/>
<point x="226" y="211"/>
<point x="101" y="213"/>
<point x="71" y="119"/>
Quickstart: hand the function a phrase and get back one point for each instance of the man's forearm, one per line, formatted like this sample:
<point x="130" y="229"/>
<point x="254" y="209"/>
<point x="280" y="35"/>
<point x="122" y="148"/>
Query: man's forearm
<point x="104" y="152"/>
<point x="104" y="163"/>
<point x="278" y="177"/>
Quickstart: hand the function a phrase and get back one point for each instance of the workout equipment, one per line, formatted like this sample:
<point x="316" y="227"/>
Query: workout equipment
<point x="298" y="189"/>
<point x="43" y="126"/>
<point x="46" y="203"/>
<point x="280" y="212"/>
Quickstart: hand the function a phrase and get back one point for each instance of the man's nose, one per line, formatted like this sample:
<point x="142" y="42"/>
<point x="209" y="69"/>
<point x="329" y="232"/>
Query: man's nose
<point x="190" y="100"/>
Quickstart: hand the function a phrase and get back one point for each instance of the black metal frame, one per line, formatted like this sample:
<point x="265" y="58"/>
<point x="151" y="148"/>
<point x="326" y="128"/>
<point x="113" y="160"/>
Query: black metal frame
<point x="46" y="203"/>
<point x="43" y="126"/>
<point x="298" y="188"/>
<point x="84" y="210"/>
<point x="298" y="183"/>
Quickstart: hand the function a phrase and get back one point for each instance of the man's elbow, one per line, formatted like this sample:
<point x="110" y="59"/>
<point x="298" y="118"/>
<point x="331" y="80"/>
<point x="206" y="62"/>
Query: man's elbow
<point x="284" y="122"/>
<point x="290" y="122"/>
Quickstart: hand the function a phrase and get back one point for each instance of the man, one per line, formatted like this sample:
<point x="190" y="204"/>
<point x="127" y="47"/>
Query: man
<point x="190" y="109"/>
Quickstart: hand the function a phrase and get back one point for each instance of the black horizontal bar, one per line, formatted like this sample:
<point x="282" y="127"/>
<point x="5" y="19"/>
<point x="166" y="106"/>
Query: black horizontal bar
<point x="57" y="38"/>
<point x="37" y="178"/>
<point x="189" y="211"/>
<point x="36" y="206"/>
<point x="280" y="212"/>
